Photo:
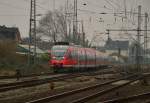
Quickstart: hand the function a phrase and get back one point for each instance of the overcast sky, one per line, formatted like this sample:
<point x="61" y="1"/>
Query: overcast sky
<point x="16" y="13"/>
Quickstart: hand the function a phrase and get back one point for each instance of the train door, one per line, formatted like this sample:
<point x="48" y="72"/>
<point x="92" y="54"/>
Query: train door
<point x="87" y="58"/>
<point x="79" y="58"/>
<point x="85" y="55"/>
<point x="76" y="57"/>
<point x="83" y="58"/>
<point x="70" y="57"/>
<point x="94" y="58"/>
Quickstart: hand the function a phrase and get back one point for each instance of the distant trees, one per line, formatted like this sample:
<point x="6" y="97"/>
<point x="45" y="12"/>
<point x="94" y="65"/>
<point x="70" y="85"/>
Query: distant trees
<point x="53" y="25"/>
<point x="57" y="26"/>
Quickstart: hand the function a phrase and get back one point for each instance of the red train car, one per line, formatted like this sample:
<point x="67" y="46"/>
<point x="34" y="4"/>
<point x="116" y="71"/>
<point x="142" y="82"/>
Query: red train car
<point x="72" y="58"/>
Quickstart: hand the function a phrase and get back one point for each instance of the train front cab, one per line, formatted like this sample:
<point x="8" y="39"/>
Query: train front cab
<point x="61" y="58"/>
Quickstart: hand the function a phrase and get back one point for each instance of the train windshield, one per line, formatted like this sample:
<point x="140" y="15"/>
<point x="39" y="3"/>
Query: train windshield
<point x="59" y="51"/>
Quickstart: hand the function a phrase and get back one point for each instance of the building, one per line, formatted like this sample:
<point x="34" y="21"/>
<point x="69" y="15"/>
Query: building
<point x="137" y="52"/>
<point x="10" y="33"/>
<point x="119" y="47"/>
<point x="43" y="45"/>
<point x="24" y="49"/>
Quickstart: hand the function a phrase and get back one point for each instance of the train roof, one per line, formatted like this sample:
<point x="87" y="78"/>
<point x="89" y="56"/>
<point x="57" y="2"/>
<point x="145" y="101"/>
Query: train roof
<point x="61" y="43"/>
<point x="67" y="44"/>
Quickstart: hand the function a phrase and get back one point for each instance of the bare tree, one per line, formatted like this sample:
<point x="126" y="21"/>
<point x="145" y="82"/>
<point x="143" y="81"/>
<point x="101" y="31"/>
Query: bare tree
<point x="58" y="26"/>
<point x="53" y="25"/>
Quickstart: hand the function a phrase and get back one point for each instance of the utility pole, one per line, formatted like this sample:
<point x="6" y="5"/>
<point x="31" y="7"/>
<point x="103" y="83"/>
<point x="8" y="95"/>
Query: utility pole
<point x="76" y="14"/>
<point x="145" y="38"/>
<point x="68" y="20"/>
<point x="83" y="34"/>
<point x="108" y="34"/>
<point x="66" y="39"/>
<point x="125" y="9"/>
<point x="138" y="49"/>
<point x="75" y="22"/>
<point x="32" y="31"/>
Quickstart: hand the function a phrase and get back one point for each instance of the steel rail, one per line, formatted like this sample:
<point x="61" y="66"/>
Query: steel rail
<point x="87" y="98"/>
<point x="23" y="76"/>
<point x="18" y="85"/>
<point x="51" y="74"/>
<point x="147" y="101"/>
<point x="60" y="95"/>
<point x="123" y="99"/>
<point x="27" y="80"/>
<point x="21" y="82"/>
<point x="32" y="75"/>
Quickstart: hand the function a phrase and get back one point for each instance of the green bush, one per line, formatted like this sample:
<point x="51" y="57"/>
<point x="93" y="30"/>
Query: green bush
<point x="45" y="57"/>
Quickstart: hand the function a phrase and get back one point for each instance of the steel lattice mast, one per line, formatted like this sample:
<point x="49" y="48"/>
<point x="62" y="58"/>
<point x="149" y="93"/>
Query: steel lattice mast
<point x="32" y="31"/>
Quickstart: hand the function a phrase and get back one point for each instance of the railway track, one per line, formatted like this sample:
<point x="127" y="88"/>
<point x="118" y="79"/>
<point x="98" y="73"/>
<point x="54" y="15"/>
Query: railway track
<point x="84" y="94"/>
<point x="30" y="83"/>
<point x="53" y="78"/>
<point x="129" y="98"/>
<point x="25" y="76"/>
<point x="105" y="70"/>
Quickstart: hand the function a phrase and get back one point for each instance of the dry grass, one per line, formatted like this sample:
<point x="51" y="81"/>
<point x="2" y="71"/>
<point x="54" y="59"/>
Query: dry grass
<point x="7" y="49"/>
<point x="8" y="53"/>
<point x="10" y="61"/>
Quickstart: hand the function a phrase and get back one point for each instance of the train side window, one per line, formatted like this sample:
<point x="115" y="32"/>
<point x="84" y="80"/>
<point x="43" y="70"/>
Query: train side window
<point x="88" y="56"/>
<point x="75" y="54"/>
<point x="81" y="55"/>
<point x="70" y="54"/>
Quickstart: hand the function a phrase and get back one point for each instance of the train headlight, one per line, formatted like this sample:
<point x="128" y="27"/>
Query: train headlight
<point x="53" y="57"/>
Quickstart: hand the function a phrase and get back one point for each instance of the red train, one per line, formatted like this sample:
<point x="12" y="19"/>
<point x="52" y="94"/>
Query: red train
<point x="72" y="58"/>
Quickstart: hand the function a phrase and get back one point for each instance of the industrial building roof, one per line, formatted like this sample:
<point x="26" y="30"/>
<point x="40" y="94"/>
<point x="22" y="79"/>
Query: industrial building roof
<point x="115" y="45"/>
<point x="25" y="49"/>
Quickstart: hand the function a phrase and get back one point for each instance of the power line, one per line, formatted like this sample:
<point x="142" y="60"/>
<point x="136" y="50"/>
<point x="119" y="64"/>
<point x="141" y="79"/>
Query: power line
<point x="26" y="0"/>
<point x="13" y="15"/>
<point x="110" y="4"/>
<point x="39" y="5"/>
<point x="116" y="3"/>
<point x="92" y="12"/>
<point x="42" y="7"/>
<point x="10" y="5"/>
<point x="99" y="6"/>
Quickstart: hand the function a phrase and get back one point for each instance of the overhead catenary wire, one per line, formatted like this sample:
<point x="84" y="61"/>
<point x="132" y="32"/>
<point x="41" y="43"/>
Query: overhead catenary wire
<point x="116" y="3"/>
<point x="95" y="5"/>
<point x="13" y="15"/>
<point x="19" y="8"/>
<point x="10" y="5"/>
<point x="39" y="5"/>
<point x="111" y="4"/>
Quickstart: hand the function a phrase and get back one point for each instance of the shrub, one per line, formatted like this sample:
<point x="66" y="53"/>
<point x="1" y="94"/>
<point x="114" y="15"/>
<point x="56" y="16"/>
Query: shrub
<point x="45" y="57"/>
